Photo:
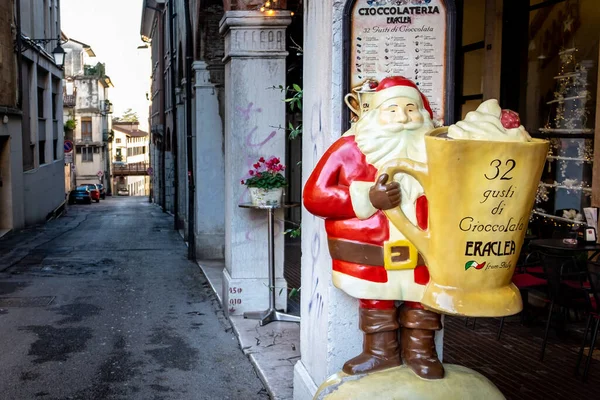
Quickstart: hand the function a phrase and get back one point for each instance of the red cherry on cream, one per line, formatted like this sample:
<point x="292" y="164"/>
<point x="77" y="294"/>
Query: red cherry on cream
<point x="510" y="119"/>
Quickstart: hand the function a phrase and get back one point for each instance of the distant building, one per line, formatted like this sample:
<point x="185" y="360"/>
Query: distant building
<point x="31" y="129"/>
<point x="87" y="107"/>
<point x="130" y="160"/>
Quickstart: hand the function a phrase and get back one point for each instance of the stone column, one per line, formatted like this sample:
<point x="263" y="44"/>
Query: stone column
<point x="329" y="334"/>
<point x="209" y="167"/>
<point x="254" y="64"/>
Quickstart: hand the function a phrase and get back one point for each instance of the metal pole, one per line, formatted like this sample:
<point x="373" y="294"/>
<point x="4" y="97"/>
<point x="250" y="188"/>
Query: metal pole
<point x="271" y="246"/>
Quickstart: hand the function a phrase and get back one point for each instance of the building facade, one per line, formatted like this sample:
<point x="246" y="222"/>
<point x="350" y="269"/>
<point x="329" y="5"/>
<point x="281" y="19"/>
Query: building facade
<point x="87" y="109"/>
<point x="130" y="156"/>
<point x="31" y="132"/>
<point x="216" y="108"/>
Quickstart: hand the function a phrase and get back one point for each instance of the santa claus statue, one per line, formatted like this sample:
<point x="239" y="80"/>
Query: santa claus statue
<point x="372" y="260"/>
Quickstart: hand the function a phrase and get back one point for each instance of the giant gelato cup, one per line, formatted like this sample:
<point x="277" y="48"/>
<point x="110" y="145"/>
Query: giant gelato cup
<point x="480" y="194"/>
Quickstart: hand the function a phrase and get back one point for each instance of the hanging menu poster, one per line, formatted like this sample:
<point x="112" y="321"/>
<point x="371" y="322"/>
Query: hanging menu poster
<point x="400" y="37"/>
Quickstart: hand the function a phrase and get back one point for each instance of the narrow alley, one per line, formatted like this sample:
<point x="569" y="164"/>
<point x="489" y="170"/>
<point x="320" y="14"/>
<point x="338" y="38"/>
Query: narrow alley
<point x="103" y="304"/>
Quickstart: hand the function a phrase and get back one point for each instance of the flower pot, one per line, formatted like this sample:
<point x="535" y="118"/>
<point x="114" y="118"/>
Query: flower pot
<point x="266" y="197"/>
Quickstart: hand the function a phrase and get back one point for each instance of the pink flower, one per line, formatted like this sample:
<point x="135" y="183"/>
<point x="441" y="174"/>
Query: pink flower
<point x="257" y="165"/>
<point x="251" y="172"/>
<point x="242" y="181"/>
<point x="262" y="159"/>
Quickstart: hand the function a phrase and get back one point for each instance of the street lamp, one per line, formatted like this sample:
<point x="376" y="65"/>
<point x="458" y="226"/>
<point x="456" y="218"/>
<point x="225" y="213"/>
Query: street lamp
<point x="58" y="53"/>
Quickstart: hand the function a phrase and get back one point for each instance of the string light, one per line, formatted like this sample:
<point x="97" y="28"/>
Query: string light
<point x="269" y="7"/>
<point x="569" y="116"/>
<point x="554" y="220"/>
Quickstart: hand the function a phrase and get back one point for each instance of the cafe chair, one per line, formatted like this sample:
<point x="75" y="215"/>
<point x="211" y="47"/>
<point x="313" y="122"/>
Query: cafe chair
<point x="559" y="268"/>
<point x="524" y="282"/>
<point x="532" y="264"/>
<point x="593" y="302"/>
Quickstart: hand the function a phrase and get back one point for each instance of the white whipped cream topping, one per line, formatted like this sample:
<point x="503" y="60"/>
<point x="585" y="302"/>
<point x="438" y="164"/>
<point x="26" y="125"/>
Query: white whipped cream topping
<point x="484" y="124"/>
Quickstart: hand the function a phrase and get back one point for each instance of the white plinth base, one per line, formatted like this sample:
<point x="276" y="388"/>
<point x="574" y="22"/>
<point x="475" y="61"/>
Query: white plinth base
<point x="251" y="294"/>
<point x="304" y="387"/>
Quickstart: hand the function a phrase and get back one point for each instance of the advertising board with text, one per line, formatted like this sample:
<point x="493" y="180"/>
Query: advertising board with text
<point x="401" y="37"/>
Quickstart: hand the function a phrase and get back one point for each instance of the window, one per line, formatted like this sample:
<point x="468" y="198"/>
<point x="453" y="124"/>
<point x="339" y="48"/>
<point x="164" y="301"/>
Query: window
<point x="54" y="108"/>
<point x="55" y="148"/>
<point x="40" y="100"/>
<point x="557" y="100"/>
<point x="86" y="129"/>
<point x="87" y="154"/>
<point x="471" y="57"/>
<point x="42" y="151"/>
<point x="117" y="140"/>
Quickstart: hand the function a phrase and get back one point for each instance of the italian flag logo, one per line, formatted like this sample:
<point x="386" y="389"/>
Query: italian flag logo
<point x="474" y="264"/>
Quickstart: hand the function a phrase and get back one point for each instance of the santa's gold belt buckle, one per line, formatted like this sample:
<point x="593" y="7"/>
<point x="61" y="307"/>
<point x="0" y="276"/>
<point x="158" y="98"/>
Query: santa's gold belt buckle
<point x="400" y="254"/>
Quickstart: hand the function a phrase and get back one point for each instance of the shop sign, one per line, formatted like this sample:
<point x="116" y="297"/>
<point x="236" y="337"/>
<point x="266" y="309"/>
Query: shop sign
<point x="402" y="37"/>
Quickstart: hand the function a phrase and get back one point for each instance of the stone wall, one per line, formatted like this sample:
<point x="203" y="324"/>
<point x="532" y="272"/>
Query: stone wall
<point x="43" y="191"/>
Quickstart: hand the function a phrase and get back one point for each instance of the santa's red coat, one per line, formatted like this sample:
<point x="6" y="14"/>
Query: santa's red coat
<point x="327" y="195"/>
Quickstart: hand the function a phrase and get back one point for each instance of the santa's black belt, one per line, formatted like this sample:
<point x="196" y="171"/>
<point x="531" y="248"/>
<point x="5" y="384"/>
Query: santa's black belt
<point x="367" y="254"/>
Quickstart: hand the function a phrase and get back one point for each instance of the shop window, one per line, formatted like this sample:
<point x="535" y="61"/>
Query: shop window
<point x="471" y="56"/>
<point x="560" y="102"/>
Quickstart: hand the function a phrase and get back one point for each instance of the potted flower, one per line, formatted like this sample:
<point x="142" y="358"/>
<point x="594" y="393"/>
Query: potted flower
<point x="266" y="182"/>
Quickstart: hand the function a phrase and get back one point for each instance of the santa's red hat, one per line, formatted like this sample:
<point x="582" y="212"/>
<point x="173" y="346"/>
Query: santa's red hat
<point x="399" y="86"/>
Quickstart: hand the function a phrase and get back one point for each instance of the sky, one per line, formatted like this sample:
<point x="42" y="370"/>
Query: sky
<point x="112" y="29"/>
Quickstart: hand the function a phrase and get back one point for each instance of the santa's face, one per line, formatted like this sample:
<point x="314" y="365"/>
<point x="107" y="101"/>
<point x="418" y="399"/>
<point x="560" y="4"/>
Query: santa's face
<point x="400" y="110"/>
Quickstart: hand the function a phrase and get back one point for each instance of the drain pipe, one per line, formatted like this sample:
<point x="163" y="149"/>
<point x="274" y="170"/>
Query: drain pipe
<point x="189" y="54"/>
<point x="174" y="113"/>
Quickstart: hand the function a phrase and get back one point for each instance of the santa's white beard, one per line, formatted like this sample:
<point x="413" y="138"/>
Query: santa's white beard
<point x="382" y="143"/>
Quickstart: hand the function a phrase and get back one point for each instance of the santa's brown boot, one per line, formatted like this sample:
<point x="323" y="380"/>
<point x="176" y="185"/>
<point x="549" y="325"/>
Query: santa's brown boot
<point x="418" y="345"/>
<point x="380" y="343"/>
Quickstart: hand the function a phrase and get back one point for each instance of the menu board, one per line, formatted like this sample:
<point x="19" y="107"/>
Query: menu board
<point x="401" y="37"/>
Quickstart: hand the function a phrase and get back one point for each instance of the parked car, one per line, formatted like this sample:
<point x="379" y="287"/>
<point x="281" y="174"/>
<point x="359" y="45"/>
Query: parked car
<point x="94" y="192"/>
<point x="123" y="192"/>
<point x="102" y="191"/>
<point x="80" y="194"/>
